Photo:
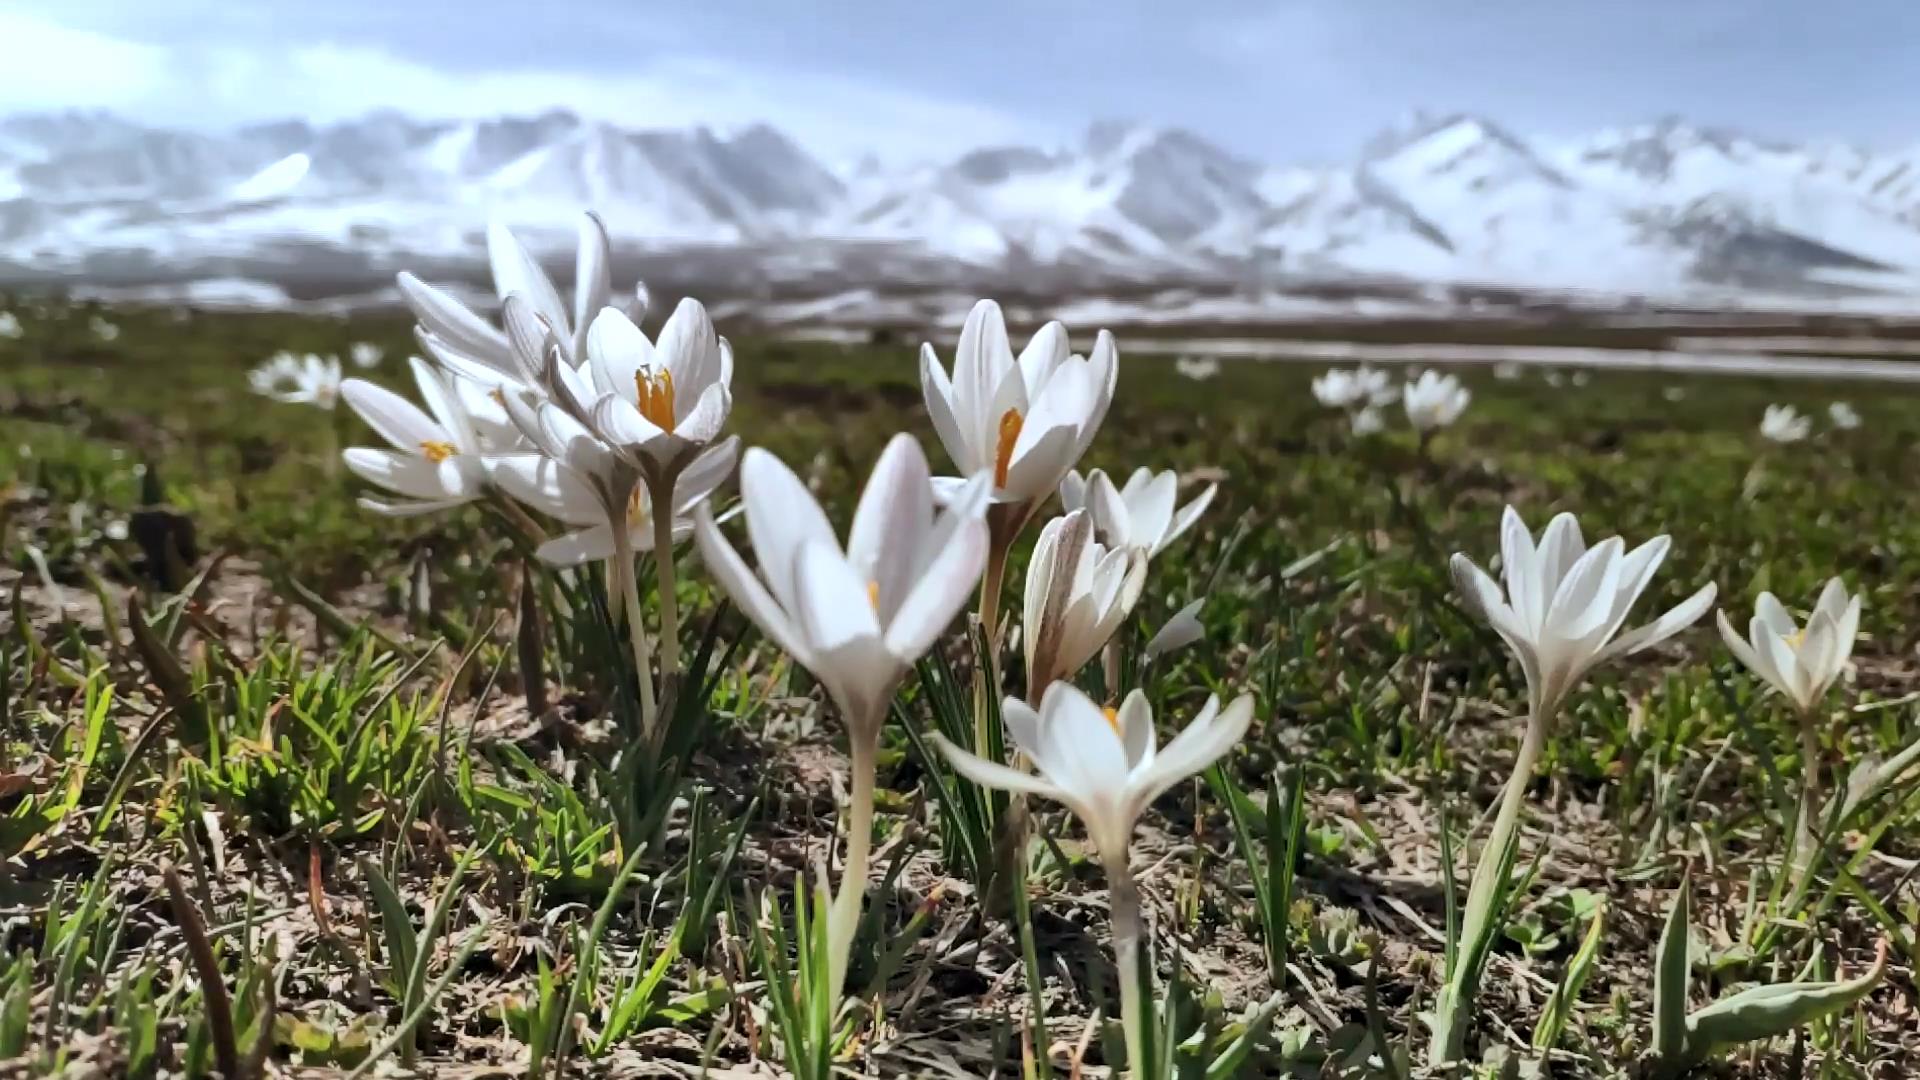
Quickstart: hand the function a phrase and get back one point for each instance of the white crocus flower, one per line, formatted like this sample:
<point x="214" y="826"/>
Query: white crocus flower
<point x="1103" y="764"/>
<point x="856" y="617"/>
<point x="298" y="380"/>
<point x="659" y="403"/>
<point x="365" y="354"/>
<point x="1507" y="371"/>
<point x="103" y="328"/>
<point x="454" y="335"/>
<point x="1197" y="368"/>
<point x="10" y="326"/>
<point x="1369" y="421"/>
<point x="1800" y="662"/>
<point x="1352" y="388"/>
<point x="1784" y="424"/>
<point x="1565" y="602"/>
<point x="1843" y="416"/>
<point x="1023" y="421"/>
<point x="1140" y="516"/>
<point x="1434" y="400"/>
<point x="436" y="462"/>
<point x="1077" y="594"/>
<point x="545" y="485"/>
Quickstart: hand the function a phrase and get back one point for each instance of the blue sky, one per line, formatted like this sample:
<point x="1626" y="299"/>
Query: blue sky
<point x="1308" y="80"/>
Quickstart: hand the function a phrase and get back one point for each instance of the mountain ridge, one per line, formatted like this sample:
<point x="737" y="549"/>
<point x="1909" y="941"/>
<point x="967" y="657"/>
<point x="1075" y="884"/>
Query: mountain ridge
<point x="1664" y="208"/>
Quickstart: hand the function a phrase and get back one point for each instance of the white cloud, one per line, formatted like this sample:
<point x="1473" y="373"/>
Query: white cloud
<point x="44" y="65"/>
<point x="216" y="83"/>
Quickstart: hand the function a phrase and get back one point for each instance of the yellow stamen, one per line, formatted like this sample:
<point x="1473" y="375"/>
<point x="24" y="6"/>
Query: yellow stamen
<point x="1794" y="639"/>
<point x="873" y="594"/>
<point x="499" y="397"/>
<point x="437" y="451"/>
<point x="1010" y="422"/>
<point x="656" y="396"/>
<point x="637" y="505"/>
<point x="1113" y="718"/>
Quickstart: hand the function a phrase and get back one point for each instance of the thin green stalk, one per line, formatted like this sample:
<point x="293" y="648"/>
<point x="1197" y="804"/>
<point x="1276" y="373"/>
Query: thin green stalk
<point x="662" y="495"/>
<point x="853" y="876"/>
<point x="1129" y="954"/>
<point x="1455" y="1005"/>
<point x="636" y="628"/>
<point x="1809" y="790"/>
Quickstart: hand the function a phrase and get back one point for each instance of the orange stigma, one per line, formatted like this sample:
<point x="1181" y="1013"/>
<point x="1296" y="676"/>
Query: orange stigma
<point x="1113" y="718"/>
<point x="437" y="451"/>
<point x="637" y="505"/>
<point x="873" y="594"/>
<point x="655" y="392"/>
<point x="1010" y="422"/>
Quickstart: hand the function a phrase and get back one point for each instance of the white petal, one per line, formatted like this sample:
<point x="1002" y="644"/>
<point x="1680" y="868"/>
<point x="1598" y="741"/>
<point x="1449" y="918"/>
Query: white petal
<point x="1188" y="514"/>
<point x="445" y="405"/>
<point x="592" y="274"/>
<point x="1769" y="609"/>
<point x="515" y="271"/>
<point x="1135" y="720"/>
<point x="547" y="487"/>
<point x="983" y="354"/>
<point x="1180" y="631"/>
<point x="1755" y="662"/>
<point x="690" y="348"/>
<point x="591" y="544"/>
<point x="391" y="416"/>
<point x="1204" y="741"/>
<point x="408" y="474"/>
<point x="618" y="350"/>
<point x="782" y="516"/>
<point x="451" y="320"/>
<point x="1681" y="616"/>
<point x="938" y="391"/>
<point x="833" y="608"/>
<point x="940" y="593"/>
<point x="993" y="774"/>
<point x="891" y="523"/>
<point x="746" y="590"/>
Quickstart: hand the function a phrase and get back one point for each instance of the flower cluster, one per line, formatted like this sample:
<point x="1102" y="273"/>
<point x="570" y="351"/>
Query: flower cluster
<point x="1431" y="400"/>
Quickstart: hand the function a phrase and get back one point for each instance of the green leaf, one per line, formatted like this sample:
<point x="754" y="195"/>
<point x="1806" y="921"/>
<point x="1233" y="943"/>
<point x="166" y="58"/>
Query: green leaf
<point x="1670" y="981"/>
<point x="1767" y="1011"/>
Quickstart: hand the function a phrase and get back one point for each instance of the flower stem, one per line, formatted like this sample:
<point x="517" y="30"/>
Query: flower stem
<point x="853" y="875"/>
<point x="1129" y="955"/>
<point x="662" y="495"/>
<point x="1805" y="845"/>
<point x="1463" y="981"/>
<point x="636" y="628"/>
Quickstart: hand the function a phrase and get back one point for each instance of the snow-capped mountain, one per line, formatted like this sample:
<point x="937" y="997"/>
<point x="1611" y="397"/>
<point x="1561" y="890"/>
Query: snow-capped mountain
<point x="1663" y="209"/>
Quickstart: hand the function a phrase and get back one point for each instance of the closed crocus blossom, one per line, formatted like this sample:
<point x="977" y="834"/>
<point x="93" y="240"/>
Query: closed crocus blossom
<point x="436" y="461"/>
<point x="1142" y="515"/>
<point x="1352" y="388"/>
<point x="454" y="335"/>
<point x="1022" y="421"/>
<point x="1843" y="416"/>
<point x="1078" y="592"/>
<point x="1434" y="400"/>
<point x="659" y="403"/>
<point x="545" y="485"/>
<point x="1565" y="602"/>
<point x="1784" y="424"/>
<point x="1800" y="662"/>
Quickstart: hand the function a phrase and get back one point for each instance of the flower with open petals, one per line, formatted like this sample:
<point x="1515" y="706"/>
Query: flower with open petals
<point x="659" y="402"/>
<point x="1077" y="593"/>
<point x="1023" y="421"/>
<point x="1198" y="368"/>
<point x="460" y="339"/>
<point x="1800" y="662"/>
<point x="1352" y="388"/>
<point x="298" y="380"/>
<point x="1140" y="516"/>
<point x="859" y="616"/>
<point x="1103" y="764"/>
<point x="1784" y="424"/>
<point x="545" y="485"/>
<point x="1434" y="400"/>
<point x="1843" y="416"/>
<point x="10" y="326"/>
<point x="437" y="460"/>
<point x="1368" y="421"/>
<point x="1565" y="602"/>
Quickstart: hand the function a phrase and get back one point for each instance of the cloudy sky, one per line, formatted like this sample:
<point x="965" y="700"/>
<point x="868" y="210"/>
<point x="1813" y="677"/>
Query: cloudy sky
<point x="1291" y="80"/>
